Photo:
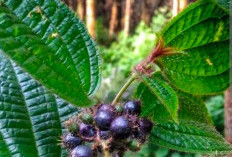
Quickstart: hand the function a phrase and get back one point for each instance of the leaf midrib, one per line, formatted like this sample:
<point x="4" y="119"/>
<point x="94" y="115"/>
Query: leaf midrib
<point x="5" y="144"/>
<point x="185" y="30"/>
<point x="64" y="44"/>
<point x="147" y="84"/>
<point x="189" y="133"/>
<point x="25" y="104"/>
<point x="188" y="150"/>
<point x="28" y="113"/>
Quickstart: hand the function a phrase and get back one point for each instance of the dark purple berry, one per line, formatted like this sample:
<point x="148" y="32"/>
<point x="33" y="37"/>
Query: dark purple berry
<point x="107" y="108"/>
<point x="70" y="141"/>
<point x="105" y="135"/>
<point x="87" y="130"/>
<point x="135" y="133"/>
<point x="120" y="127"/>
<point x="145" y="126"/>
<point x="132" y="107"/>
<point x="103" y="120"/>
<point x="82" y="151"/>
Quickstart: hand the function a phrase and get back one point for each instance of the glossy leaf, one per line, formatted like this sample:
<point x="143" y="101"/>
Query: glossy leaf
<point x="201" y="32"/>
<point x="162" y="93"/>
<point x="193" y="133"/>
<point x="190" y="136"/>
<point x="31" y="117"/>
<point x="52" y="45"/>
<point x="190" y="108"/>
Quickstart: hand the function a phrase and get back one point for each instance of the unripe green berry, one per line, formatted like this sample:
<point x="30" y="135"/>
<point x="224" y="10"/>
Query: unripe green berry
<point x="133" y="146"/>
<point x="87" y="118"/>
<point x="119" y="108"/>
<point x="72" y="125"/>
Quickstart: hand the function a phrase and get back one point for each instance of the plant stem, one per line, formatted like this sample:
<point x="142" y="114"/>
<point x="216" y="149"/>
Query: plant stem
<point x="123" y="89"/>
<point x="106" y="149"/>
<point x="107" y="153"/>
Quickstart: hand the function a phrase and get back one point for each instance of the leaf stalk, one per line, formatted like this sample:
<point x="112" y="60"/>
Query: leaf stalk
<point x="124" y="88"/>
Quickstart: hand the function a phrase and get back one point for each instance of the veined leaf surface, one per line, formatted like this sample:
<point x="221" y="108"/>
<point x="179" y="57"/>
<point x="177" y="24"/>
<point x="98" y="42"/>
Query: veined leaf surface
<point x="201" y="31"/>
<point x="52" y="45"/>
<point x="31" y="117"/>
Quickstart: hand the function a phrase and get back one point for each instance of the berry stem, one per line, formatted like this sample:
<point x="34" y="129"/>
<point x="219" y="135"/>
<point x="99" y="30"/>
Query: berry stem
<point x="107" y="153"/>
<point x="106" y="149"/>
<point x="123" y="89"/>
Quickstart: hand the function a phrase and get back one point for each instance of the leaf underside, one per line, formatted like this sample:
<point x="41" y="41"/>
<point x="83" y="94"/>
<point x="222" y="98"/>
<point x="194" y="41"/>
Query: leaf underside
<point x="31" y="117"/>
<point x="201" y="31"/>
<point x="52" y="45"/>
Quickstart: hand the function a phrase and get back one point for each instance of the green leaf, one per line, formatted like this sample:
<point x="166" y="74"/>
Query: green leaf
<point x="190" y="137"/>
<point x="32" y="118"/>
<point x="162" y="93"/>
<point x="199" y="85"/>
<point x="52" y="45"/>
<point x="201" y="32"/>
<point x="190" y="108"/>
<point x="193" y="133"/>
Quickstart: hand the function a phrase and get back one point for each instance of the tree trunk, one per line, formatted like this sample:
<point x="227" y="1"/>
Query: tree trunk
<point x="90" y="17"/>
<point x="228" y="116"/>
<point x="113" y="19"/>
<point x="182" y="4"/>
<point x="81" y="9"/>
<point x="145" y="15"/>
<point x="178" y="6"/>
<point x="127" y="17"/>
<point x="175" y="7"/>
<point x="71" y="5"/>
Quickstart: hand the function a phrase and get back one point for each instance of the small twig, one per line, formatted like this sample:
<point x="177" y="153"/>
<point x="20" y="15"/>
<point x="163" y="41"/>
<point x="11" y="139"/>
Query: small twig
<point x="106" y="149"/>
<point x="123" y="89"/>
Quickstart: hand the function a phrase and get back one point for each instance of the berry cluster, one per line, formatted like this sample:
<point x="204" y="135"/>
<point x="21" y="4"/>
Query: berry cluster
<point x="107" y="128"/>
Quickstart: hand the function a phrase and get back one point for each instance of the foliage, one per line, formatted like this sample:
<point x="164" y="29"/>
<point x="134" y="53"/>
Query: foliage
<point x="123" y="54"/>
<point x="128" y="51"/>
<point x="188" y="55"/>
<point x="31" y="116"/>
<point x="46" y="51"/>
<point x="215" y="106"/>
<point x="50" y="43"/>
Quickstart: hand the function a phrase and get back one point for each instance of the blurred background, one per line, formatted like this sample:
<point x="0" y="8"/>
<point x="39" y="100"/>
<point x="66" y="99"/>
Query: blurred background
<point x="125" y="32"/>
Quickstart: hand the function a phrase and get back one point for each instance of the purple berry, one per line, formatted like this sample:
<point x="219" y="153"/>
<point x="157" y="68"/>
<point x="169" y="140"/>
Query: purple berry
<point x="103" y="120"/>
<point x="145" y="126"/>
<point x="87" y="130"/>
<point x="82" y="151"/>
<point x="132" y="107"/>
<point x="107" y="108"/>
<point x="104" y="135"/>
<point x="120" y="127"/>
<point x="70" y="141"/>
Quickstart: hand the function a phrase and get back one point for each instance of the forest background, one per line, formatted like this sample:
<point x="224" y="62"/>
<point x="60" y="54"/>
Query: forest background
<point x="125" y="32"/>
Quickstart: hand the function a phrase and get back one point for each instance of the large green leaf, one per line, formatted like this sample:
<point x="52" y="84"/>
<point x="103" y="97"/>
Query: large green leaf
<point x="190" y="137"/>
<point x="202" y="32"/>
<point x="199" y="85"/>
<point x="52" y="45"/>
<point x="193" y="133"/>
<point x="190" y="108"/>
<point x="31" y="117"/>
<point x="162" y="93"/>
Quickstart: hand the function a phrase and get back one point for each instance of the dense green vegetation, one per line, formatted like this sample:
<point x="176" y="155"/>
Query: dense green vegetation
<point x="50" y="68"/>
